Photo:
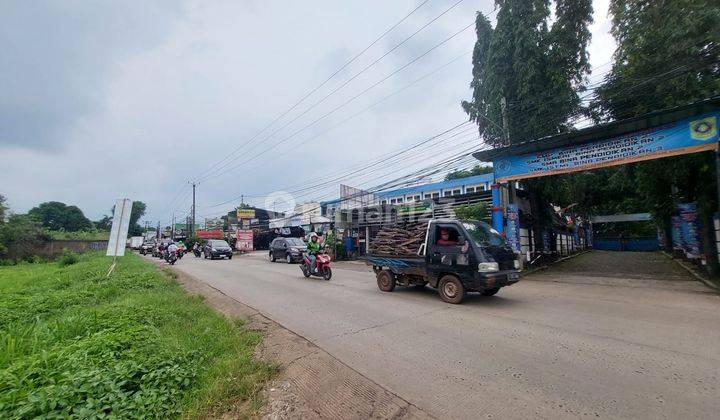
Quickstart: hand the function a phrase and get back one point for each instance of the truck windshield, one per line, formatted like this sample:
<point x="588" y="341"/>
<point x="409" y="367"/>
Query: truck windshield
<point x="483" y="234"/>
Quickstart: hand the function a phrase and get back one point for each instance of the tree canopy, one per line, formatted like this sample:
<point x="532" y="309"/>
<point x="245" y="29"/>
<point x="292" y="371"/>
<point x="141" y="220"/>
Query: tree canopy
<point x="55" y="215"/>
<point x="3" y="208"/>
<point x="536" y="65"/>
<point x="464" y="173"/>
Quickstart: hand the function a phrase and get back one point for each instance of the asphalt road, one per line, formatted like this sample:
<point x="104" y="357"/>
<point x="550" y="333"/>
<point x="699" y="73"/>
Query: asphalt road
<point x="537" y="349"/>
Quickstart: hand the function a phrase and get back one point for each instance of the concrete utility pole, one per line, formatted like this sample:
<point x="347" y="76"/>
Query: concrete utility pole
<point x="506" y="123"/>
<point x="192" y="221"/>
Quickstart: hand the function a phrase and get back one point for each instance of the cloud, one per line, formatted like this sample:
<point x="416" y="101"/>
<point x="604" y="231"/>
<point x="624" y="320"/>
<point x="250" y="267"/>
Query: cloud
<point x="56" y="58"/>
<point x="109" y="100"/>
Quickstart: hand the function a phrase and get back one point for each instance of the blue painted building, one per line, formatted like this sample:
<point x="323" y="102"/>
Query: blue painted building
<point x="450" y="188"/>
<point x="417" y="193"/>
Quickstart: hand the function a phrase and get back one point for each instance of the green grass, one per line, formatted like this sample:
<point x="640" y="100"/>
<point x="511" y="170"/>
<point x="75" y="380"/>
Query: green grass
<point x="76" y="344"/>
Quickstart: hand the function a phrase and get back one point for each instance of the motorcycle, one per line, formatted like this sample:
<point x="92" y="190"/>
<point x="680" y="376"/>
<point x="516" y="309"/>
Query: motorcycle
<point x="198" y="252"/>
<point x="171" y="257"/>
<point x="322" y="266"/>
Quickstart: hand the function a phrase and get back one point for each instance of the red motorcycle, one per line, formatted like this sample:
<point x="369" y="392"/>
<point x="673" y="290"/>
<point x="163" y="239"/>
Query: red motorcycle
<point x="322" y="266"/>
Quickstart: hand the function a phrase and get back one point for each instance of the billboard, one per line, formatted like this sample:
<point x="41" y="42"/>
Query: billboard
<point x="244" y="240"/>
<point x="209" y="234"/>
<point x="244" y="213"/>
<point x="691" y="135"/>
<point x="119" y="229"/>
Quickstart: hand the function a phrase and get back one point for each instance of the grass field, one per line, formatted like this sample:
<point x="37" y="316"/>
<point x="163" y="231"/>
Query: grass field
<point x="75" y="344"/>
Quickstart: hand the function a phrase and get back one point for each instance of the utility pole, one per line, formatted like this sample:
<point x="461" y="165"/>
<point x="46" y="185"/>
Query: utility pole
<point x="172" y="227"/>
<point x="242" y="200"/>
<point x="192" y="221"/>
<point x="506" y="123"/>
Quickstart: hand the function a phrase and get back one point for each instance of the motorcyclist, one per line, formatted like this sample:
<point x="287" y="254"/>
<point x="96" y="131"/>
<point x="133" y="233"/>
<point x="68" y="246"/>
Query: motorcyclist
<point x="313" y="247"/>
<point x="172" y="247"/>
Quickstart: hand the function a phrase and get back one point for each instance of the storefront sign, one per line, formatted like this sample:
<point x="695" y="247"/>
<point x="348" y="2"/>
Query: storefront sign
<point x="677" y="240"/>
<point x="209" y="234"/>
<point x="425" y="207"/>
<point x="687" y="136"/>
<point x="245" y="214"/>
<point x="244" y="240"/>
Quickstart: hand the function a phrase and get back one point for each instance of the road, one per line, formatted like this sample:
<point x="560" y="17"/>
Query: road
<point x="536" y="350"/>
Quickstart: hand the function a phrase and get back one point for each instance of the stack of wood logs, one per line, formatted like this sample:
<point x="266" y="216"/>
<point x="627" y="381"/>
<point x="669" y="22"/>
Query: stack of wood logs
<point x="402" y="239"/>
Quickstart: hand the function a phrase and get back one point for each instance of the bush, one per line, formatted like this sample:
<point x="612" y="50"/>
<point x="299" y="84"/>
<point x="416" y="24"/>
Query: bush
<point x="67" y="258"/>
<point x="20" y="237"/>
<point x="472" y="211"/>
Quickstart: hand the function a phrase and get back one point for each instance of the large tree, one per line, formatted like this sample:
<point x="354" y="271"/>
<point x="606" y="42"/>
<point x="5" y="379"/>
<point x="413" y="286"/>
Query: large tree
<point x="3" y="208"/>
<point x="668" y="55"/>
<point x="537" y="65"/>
<point x="55" y="215"/>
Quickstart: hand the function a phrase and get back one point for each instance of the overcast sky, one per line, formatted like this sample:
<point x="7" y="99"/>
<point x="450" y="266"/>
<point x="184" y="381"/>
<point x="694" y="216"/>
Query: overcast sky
<point x="102" y="100"/>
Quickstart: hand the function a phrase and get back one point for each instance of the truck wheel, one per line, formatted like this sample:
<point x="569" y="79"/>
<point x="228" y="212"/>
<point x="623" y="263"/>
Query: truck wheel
<point x="451" y="290"/>
<point x="272" y="257"/>
<point x="490" y="292"/>
<point x="385" y="281"/>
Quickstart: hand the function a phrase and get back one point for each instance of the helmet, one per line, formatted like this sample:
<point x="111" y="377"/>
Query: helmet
<point x="313" y="235"/>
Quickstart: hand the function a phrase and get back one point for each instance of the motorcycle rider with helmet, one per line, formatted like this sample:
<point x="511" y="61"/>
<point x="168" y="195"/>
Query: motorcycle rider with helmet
<point x="313" y="247"/>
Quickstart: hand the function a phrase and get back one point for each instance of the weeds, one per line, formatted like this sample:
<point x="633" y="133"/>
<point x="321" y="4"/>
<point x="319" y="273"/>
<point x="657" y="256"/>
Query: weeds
<point x="75" y="344"/>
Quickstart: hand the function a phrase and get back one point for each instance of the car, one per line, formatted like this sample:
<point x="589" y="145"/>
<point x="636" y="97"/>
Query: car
<point x="147" y="247"/>
<point x="288" y="249"/>
<point x="217" y="248"/>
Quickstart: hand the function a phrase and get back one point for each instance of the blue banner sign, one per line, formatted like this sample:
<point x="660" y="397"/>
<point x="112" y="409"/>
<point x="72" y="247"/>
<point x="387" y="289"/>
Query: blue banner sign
<point x="690" y="229"/>
<point x="692" y="135"/>
<point x="513" y="228"/>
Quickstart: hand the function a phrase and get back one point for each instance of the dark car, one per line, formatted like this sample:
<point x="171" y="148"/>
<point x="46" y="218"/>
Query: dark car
<point x="288" y="249"/>
<point x="217" y="248"/>
<point x="147" y="247"/>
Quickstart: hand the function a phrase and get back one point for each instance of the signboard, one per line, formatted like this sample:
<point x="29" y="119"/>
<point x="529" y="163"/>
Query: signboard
<point x="209" y="234"/>
<point x="245" y="213"/>
<point x="244" y="240"/>
<point x="425" y="207"/>
<point x="692" y="135"/>
<point x="119" y="229"/>
<point x="513" y="227"/>
<point x="690" y="229"/>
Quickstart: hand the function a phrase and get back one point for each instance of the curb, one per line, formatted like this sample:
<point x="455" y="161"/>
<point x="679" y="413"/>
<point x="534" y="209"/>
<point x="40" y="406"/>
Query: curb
<point x="694" y="272"/>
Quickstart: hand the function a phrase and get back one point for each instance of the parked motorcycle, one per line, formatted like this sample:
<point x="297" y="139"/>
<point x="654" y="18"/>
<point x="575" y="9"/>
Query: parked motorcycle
<point x="198" y="252"/>
<point x="322" y="266"/>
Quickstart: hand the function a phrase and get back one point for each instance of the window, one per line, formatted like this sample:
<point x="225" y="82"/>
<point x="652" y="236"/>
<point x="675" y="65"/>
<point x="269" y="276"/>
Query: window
<point x="383" y="202"/>
<point x="469" y="190"/>
<point x="449" y="193"/>
<point x="446" y="236"/>
<point x="396" y="200"/>
<point x="432" y="194"/>
<point x="412" y="198"/>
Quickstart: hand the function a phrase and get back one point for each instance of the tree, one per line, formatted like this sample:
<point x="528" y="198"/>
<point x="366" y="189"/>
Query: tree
<point x="138" y="211"/>
<point x="3" y="208"/>
<point x="55" y="215"/>
<point x="477" y="170"/>
<point x="668" y="55"/>
<point x="476" y="211"/>
<point x="537" y="67"/>
<point x="20" y="237"/>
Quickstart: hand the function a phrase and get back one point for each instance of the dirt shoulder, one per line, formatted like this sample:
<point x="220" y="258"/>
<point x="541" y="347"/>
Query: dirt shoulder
<point x="311" y="383"/>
